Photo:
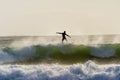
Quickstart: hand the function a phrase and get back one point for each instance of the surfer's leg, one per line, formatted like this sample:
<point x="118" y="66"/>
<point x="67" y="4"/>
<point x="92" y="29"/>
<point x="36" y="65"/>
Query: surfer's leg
<point x="62" y="40"/>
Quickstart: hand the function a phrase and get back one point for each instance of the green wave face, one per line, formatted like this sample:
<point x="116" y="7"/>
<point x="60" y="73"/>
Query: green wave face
<point x="65" y="53"/>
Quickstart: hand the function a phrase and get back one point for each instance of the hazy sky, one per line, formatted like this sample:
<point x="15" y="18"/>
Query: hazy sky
<point x="45" y="17"/>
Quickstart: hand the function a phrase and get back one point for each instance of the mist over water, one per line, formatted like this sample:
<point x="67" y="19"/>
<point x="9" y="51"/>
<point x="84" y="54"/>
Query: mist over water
<point x="46" y="40"/>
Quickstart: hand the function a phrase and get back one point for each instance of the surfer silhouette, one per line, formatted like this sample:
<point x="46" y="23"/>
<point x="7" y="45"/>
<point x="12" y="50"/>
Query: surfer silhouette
<point x="63" y="35"/>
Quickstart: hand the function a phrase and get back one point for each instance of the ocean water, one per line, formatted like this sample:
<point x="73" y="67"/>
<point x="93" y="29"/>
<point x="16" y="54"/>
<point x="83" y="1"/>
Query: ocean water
<point x="93" y="57"/>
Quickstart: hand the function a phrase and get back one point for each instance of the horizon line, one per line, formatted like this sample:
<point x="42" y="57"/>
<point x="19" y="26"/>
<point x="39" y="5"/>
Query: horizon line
<point x="55" y="35"/>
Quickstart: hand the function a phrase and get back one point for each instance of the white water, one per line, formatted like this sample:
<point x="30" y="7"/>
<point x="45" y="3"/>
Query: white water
<point x="87" y="71"/>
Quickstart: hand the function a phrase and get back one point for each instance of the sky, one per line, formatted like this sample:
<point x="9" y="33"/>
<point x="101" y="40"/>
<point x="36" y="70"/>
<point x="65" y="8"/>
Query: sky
<point x="46" y="17"/>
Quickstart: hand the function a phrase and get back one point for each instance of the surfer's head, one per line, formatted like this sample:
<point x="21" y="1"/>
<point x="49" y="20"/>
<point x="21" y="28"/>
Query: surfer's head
<point x="64" y="31"/>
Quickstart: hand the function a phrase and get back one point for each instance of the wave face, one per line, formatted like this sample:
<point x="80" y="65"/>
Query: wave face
<point x="45" y="49"/>
<point x="87" y="71"/>
<point x="63" y="53"/>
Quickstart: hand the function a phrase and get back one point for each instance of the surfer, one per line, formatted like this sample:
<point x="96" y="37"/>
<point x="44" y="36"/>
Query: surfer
<point x="63" y="35"/>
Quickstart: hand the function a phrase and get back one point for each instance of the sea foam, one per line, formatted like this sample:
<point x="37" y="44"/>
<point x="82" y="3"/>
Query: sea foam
<point x="87" y="71"/>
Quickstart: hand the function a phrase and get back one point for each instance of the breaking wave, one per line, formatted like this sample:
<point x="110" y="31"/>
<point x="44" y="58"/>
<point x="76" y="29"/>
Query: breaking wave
<point x="87" y="71"/>
<point x="41" y="58"/>
<point x="67" y="52"/>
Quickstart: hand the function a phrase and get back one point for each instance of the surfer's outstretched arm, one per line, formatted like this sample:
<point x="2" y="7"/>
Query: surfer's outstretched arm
<point x="58" y="33"/>
<point x="67" y="35"/>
